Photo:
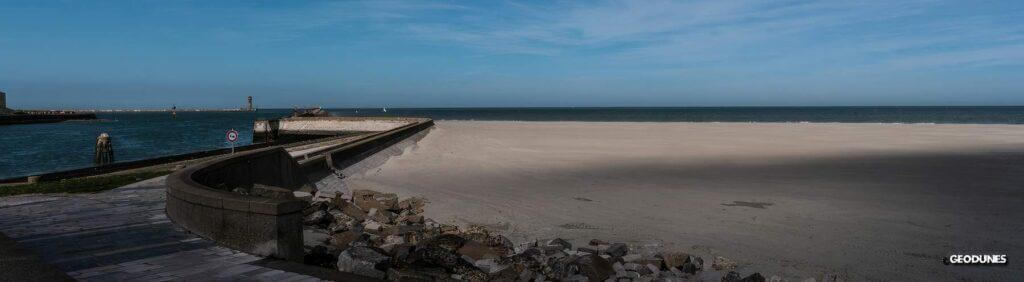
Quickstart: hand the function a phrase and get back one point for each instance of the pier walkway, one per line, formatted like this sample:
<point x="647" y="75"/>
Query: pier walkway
<point x="123" y="234"/>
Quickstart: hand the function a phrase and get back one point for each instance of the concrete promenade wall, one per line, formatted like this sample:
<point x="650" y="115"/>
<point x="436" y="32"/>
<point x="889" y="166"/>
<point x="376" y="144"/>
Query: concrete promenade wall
<point x="354" y="152"/>
<point x="264" y="130"/>
<point x="199" y="200"/>
<point x="199" y="197"/>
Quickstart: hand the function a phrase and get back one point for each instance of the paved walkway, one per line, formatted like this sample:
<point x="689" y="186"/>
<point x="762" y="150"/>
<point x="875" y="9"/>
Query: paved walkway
<point x="19" y="264"/>
<point x="123" y="234"/>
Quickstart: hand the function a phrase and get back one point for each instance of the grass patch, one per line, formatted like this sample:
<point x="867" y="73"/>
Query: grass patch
<point x="81" y="185"/>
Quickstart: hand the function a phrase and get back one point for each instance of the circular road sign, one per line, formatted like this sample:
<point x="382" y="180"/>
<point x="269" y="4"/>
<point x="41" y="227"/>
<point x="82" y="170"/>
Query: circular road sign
<point x="232" y="135"/>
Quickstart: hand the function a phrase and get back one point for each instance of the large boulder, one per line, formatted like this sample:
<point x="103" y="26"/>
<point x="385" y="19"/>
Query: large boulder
<point x="733" y="276"/>
<point x="593" y="267"/>
<point x="412" y="205"/>
<point x="305" y="196"/>
<point x="317" y="218"/>
<point x="382" y="216"/>
<point x="682" y="261"/>
<point x="442" y="251"/>
<point x="389" y="242"/>
<point x="315" y="206"/>
<point x="506" y="274"/>
<point x="326" y="196"/>
<point x="561" y="243"/>
<point x="340" y="221"/>
<point x="448" y="229"/>
<point x="479" y="251"/>
<point x="401" y="229"/>
<point x="369" y="199"/>
<point x="617" y="250"/>
<point x="401" y="255"/>
<point x="448" y="242"/>
<point x="411" y="219"/>
<point x="363" y="261"/>
<point x="314" y="237"/>
<point x="721" y="263"/>
<point x="587" y="250"/>
<point x="418" y="274"/>
<point x="372" y="226"/>
<point x="345" y="239"/>
<point x="352" y="210"/>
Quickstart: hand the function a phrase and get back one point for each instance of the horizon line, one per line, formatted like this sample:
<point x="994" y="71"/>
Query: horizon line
<point x="526" y="107"/>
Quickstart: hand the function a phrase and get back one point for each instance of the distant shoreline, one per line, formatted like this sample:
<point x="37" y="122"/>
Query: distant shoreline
<point x="165" y="110"/>
<point x="44" y="117"/>
<point x="545" y="108"/>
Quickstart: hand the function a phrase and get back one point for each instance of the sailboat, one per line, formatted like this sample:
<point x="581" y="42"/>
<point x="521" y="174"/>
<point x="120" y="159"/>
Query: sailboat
<point x="384" y="109"/>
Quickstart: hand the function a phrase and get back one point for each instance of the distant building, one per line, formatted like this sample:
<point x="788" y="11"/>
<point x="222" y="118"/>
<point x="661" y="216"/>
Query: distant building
<point x="250" y="104"/>
<point x="3" y="103"/>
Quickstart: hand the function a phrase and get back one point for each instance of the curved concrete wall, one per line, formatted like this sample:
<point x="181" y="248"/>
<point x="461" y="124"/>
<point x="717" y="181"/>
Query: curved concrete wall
<point x="199" y="197"/>
<point x="261" y="226"/>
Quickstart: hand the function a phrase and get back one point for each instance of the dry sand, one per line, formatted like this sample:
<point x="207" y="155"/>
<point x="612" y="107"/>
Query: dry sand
<point x="864" y="201"/>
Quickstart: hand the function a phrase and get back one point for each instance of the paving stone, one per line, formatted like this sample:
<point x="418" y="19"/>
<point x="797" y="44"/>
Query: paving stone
<point x="239" y="269"/>
<point x="123" y="235"/>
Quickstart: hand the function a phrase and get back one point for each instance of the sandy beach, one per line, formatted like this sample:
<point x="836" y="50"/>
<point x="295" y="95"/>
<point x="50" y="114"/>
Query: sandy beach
<point x="864" y="201"/>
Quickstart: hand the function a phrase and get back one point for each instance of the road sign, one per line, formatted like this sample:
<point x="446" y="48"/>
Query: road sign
<point x="232" y="137"/>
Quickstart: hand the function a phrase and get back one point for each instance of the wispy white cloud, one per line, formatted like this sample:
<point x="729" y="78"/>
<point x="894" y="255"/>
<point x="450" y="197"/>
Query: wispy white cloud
<point x="900" y="34"/>
<point x="1005" y="55"/>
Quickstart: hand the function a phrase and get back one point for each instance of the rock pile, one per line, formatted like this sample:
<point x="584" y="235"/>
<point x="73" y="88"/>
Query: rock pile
<point x="377" y="235"/>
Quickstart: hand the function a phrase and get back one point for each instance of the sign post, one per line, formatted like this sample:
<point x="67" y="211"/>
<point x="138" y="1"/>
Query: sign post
<point x="232" y="136"/>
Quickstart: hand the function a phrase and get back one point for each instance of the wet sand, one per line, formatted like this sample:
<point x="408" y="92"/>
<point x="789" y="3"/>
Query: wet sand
<point x="864" y="201"/>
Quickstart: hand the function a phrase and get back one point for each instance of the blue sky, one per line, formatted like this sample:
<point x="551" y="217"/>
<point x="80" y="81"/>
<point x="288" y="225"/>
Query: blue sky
<point x="152" y="54"/>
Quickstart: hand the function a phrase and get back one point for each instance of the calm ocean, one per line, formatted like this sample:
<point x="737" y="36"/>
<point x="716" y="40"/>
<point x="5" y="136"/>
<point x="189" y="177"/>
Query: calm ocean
<point x="39" y="148"/>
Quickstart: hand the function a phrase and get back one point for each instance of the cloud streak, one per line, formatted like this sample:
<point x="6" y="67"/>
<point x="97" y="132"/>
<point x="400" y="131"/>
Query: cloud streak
<point x="907" y="34"/>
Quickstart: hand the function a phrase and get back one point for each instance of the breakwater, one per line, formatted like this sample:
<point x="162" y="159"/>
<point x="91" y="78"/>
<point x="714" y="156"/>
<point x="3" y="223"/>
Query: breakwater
<point x="43" y="117"/>
<point x="275" y="130"/>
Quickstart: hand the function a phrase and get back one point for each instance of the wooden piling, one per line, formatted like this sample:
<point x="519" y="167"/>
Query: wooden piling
<point x="104" y="150"/>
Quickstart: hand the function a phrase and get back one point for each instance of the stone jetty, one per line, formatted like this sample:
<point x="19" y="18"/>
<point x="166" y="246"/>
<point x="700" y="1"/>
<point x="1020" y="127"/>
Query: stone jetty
<point x="9" y="116"/>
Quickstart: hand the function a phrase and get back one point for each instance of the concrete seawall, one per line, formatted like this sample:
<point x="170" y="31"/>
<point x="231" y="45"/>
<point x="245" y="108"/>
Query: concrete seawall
<point x="261" y="226"/>
<point x="200" y="198"/>
<point x="270" y="130"/>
